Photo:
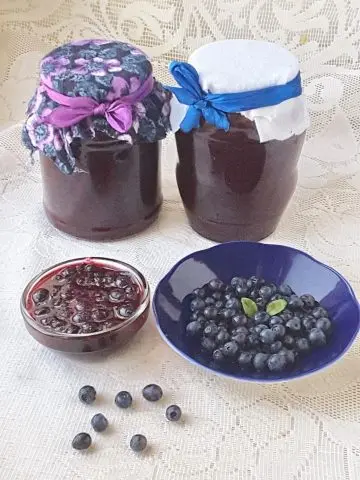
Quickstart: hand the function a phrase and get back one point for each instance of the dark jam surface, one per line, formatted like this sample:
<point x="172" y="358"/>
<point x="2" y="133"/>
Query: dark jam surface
<point x="84" y="298"/>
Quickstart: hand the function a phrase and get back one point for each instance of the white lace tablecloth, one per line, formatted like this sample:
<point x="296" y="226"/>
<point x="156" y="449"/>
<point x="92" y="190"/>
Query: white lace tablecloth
<point x="304" y="430"/>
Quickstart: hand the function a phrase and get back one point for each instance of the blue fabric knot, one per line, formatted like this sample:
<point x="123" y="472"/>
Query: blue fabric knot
<point x="214" y="107"/>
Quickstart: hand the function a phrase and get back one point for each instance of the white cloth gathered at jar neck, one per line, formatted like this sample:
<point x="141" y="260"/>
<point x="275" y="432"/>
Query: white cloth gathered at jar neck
<point x="230" y="66"/>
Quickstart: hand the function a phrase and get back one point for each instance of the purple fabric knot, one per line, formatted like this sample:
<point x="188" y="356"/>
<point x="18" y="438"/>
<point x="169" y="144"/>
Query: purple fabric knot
<point x="118" y="113"/>
<point x="101" y="109"/>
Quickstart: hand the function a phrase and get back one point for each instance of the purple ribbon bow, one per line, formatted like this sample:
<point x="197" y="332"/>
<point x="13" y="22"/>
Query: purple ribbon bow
<point x="118" y="113"/>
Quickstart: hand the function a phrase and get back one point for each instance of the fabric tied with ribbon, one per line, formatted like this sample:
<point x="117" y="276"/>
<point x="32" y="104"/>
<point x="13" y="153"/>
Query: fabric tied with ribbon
<point x="91" y="88"/>
<point x="118" y="113"/>
<point x="214" y="107"/>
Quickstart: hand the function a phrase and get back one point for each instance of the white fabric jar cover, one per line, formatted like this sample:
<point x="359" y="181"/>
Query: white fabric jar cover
<point x="231" y="66"/>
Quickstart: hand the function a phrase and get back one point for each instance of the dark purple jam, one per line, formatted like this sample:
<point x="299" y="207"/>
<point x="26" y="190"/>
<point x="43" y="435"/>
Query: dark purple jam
<point x="84" y="298"/>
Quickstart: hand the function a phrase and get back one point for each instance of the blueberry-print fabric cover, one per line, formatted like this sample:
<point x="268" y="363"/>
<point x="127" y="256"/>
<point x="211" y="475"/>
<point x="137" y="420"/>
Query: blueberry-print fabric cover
<point x="105" y="71"/>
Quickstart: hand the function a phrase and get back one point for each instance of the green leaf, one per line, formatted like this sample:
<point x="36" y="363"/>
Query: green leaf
<point x="249" y="306"/>
<point x="276" y="307"/>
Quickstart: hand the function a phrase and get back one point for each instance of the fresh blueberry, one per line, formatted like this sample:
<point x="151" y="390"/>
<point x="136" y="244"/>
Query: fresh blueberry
<point x="197" y="304"/>
<point x="123" y="399"/>
<point x="317" y="337"/>
<point x="324" y="324"/>
<point x="276" y="347"/>
<point x="241" y="291"/>
<point x="200" y="292"/>
<point x="209" y="301"/>
<point x="216" y="284"/>
<point x="228" y="313"/>
<point x="319" y="312"/>
<point x="99" y="422"/>
<point x="219" y="304"/>
<point x="265" y="292"/>
<point x="239" y="320"/>
<point x="230" y="295"/>
<point x="253" y="340"/>
<point x="81" y="441"/>
<point x="260" y="361"/>
<point x="240" y="329"/>
<point x="230" y="349"/>
<point x="294" y="325"/>
<point x="275" y="320"/>
<point x="222" y="337"/>
<point x="267" y="336"/>
<point x="285" y="290"/>
<point x="211" y="312"/>
<point x="254" y="294"/>
<point x="87" y="394"/>
<point x="152" y="392"/>
<point x="173" y="413"/>
<point x="40" y="295"/>
<point x="259" y="328"/>
<point x="289" y="341"/>
<point x="194" y="328"/>
<point x="261" y="317"/>
<point x="240" y="339"/>
<point x="245" y="359"/>
<point x="235" y="281"/>
<point x="211" y="330"/>
<point x="279" y="331"/>
<point x="277" y="362"/>
<point x="255" y="281"/>
<point x="277" y="296"/>
<point x="286" y="315"/>
<point x="260" y="303"/>
<point x="138" y="443"/>
<point x="309" y="301"/>
<point x="208" y="344"/>
<point x="308" y="322"/>
<point x="289" y="355"/>
<point x="217" y="296"/>
<point x="218" y="355"/>
<point x="302" y="345"/>
<point x="295" y="303"/>
<point x="232" y="303"/>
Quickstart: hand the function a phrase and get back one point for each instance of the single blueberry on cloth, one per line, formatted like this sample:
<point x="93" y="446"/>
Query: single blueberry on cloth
<point x="92" y="86"/>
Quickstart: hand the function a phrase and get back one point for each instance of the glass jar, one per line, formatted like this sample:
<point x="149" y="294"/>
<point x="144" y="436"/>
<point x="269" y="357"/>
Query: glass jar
<point x="115" y="190"/>
<point x="233" y="187"/>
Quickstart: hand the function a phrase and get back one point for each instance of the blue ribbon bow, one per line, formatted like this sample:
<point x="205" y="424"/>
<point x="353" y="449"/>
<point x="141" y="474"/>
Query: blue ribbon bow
<point x="215" y="106"/>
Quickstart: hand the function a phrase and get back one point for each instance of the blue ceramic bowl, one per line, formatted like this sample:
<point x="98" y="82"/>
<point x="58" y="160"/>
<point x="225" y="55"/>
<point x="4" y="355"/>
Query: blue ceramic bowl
<point x="275" y="263"/>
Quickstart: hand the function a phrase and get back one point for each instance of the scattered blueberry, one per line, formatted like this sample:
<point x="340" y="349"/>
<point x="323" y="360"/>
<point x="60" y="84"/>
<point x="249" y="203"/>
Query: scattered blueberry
<point x="245" y="359"/>
<point x="138" y="443"/>
<point x="87" y="394"/>
<point x="222" y="337"/>
<point x="308" y="322"/>
<point x="218" y="355"/>
<point x="211" y="330"/>
<point x="210" y="312"/>
<point x="240" y="338"/>
<point x="232" y="303"/>
<point x="289" y="341"/>
<point x="317" y="337"/>
<point x="319" y="312"/>
<point x="200" y="292"/>
<point x="265" y="292"/>
<point x="267" y="336"/>
<point x="239" y="320"/>
<point x="230" y="349"/>
<point x="99" y="422"/>
<point x="276" y="347"/>
<point x="208" y="344"/>
<point x="261" y="317"/>
<point x="216" y="284"/>
<point x="238" y="281"/>
<point x="295" y="303"/>
<point x="285" y="290"/>
<point x="294" y="325"/>
<point x="123" y="399"/>
<point x="152" y="393"/>
<point x="302" y="345"/>
<point x="309" y="301"/>
<point x="209" y="301"/>
<point x="173" y="413"/>
<point x="275" y="320"/>
<point x="194" y="328"/>
<point x="324" y="324"/>
<point x="259" y="328"/>
<point x="197" y="304"/>
<point x="277" y="362"/>
<point x="81" y="441"/>
<point x="279" y="331"/>
<point x="260" y="361"/>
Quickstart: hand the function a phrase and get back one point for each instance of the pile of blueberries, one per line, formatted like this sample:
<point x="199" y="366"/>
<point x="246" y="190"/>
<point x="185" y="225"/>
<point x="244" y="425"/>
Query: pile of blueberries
<point x="123" y="399"/>
<point x="255" y="325"/>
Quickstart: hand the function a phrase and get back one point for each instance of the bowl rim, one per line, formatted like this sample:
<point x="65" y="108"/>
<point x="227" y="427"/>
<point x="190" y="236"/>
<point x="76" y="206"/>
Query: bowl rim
<point x="144" y="302"/>
<point x="244" y="379"/>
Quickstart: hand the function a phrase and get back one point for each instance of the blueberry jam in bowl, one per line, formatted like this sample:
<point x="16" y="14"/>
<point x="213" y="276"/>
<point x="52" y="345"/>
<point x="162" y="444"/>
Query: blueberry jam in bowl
<point x="86" y="305"/>
<point x="256" y="312"/>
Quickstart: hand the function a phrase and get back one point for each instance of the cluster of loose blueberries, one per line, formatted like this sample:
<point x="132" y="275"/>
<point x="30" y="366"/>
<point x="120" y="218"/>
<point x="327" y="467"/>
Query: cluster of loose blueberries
<point x="123" y="399"/>
<point x="256" y="325"/>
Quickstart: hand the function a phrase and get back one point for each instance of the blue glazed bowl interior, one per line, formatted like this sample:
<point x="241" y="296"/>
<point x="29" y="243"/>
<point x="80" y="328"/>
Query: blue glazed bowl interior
<point x="275" y="263"/>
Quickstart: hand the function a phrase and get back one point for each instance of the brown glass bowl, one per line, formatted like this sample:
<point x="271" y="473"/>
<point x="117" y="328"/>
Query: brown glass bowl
<point x="88" y="342"/>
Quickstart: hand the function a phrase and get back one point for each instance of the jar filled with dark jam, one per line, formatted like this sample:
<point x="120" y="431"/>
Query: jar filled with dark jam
<point x="97" y="120"/>
<point x="236" y="182"/>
